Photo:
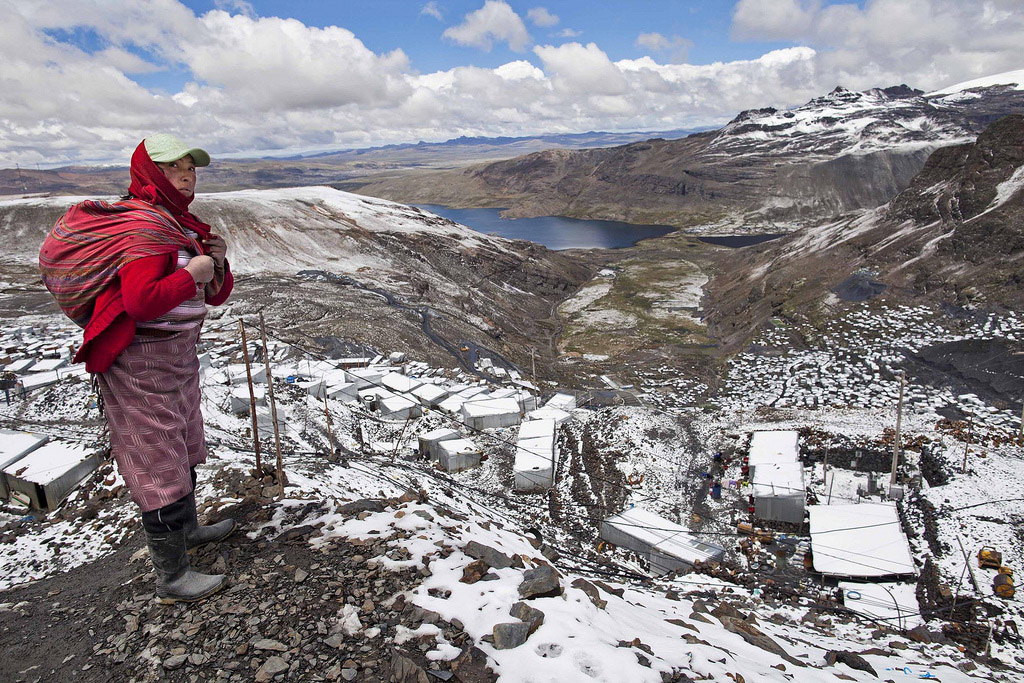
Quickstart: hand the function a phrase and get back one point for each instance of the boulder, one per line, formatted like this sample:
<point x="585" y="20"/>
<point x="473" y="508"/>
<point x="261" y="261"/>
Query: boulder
<point x="404" y="670"/>
<point x="592" y="592"/>
<point x="542" y="582"/>
<point x="850" y="659"/>
<point x="755" y="637"/>
<point x="493" y="558"/>
<point x="510" y="635"/>
<point x="474" y="571"/>
<point x="531" y="616"/>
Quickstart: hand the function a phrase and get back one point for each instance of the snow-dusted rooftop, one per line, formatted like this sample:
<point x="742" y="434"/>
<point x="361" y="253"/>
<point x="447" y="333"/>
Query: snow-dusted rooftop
<point x="864" y="539"/>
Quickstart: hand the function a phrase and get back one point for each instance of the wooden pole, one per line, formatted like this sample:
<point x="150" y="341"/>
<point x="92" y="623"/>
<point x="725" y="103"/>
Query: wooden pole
<point x="899" y="423"/>
<point x="273" y="408"/>
<point x="1022" y="420"/>
<point x="252" y="402"/>
<point x="967" y="448"/>
<point x="327" y="414"/>
<point x="533" y="365"/>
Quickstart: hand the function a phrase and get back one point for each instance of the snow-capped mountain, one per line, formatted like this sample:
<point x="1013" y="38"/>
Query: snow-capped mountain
<point x="844" y="122"/>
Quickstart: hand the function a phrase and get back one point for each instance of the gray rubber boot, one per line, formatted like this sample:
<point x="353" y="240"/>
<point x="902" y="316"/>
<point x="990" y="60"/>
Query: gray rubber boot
<point x="175" y="580"/>
<point x="196" y="535"/>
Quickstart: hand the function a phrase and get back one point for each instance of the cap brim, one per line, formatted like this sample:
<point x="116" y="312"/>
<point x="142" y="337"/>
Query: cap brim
<point x="199" y="156"/>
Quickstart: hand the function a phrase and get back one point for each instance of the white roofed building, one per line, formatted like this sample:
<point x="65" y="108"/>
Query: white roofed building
<point x="668" y="546"/>
<point x="859" y="540"/>
<point x="490" y="413"/>
<point x="536" y="451"/>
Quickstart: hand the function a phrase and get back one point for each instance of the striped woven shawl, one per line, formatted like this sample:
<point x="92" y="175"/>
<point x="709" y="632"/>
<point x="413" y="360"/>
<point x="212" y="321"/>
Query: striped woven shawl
<point x="86" y="248"/>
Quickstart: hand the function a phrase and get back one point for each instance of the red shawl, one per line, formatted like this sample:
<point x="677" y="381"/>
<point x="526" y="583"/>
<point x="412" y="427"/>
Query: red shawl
<point x="86" y="248"/>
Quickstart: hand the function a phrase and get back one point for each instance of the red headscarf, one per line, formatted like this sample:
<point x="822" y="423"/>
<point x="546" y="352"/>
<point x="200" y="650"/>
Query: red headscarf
<point x="150" y="184"/>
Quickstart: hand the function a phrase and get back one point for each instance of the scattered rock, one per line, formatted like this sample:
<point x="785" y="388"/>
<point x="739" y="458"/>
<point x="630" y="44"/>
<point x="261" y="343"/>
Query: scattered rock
<point x="296" y="534"/>
<point x="268" y="644"/>
<point x="725" y="610"/>
<point x="509" y="635"/>
<point x="474" y="571"/>
<point x="591" y="591"/>
<point x="531" y="616"/>
<point x="471" y="666"/>
<point x="755" y="637"/>
<point x="617" y="592"/>
<point x="493" y="558"/>
<point x="271" y="668"/>
<point x="542" y="582"/>
<point x="920" y="634"/>
<point x="404" y="670"/>
<point x="850" y="659"/>
<point x="363" y="505"/>
<point x="175" y="662"/>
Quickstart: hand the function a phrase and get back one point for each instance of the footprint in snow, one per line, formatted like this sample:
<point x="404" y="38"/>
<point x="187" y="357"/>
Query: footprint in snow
<point x="549" y="650"/>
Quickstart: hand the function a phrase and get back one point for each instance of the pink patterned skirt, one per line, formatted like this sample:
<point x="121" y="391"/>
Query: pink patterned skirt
<point x="151" y="399"/>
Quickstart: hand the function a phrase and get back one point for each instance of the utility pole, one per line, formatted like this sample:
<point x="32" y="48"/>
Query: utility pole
<point x="899" y="422"/>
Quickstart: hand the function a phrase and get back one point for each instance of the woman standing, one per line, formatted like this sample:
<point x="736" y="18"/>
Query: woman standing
<point x="137" y="275"/>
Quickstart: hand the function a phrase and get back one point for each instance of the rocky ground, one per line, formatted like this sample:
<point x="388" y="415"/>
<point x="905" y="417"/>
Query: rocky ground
<point x="308" y="614"/>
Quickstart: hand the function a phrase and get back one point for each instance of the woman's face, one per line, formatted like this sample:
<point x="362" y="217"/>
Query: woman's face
<point x="181" y="173"/>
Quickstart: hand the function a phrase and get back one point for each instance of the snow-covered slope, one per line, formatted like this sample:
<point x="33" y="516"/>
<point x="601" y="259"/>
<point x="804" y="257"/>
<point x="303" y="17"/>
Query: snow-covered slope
<point x="1013" y="80"/>
<point x="421" y="264"/>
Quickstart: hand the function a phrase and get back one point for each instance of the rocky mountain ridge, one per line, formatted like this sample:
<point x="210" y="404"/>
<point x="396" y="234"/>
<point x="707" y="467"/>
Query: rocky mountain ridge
<point x="954" y="235"/>
<point x="766" y="171"/>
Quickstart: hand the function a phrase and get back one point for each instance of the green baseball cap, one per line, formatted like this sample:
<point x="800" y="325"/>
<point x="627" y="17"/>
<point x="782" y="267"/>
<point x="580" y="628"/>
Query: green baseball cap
<point x="164" y="148"/>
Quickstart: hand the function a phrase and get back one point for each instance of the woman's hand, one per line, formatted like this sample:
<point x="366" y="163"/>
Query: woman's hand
<point x="201" y="268"/>
<point x="218" y="248"/>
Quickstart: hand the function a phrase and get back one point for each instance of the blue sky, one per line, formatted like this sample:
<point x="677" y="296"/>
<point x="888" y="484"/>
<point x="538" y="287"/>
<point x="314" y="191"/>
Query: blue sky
<point x="385" y="25"/>
<point x="86" y="79"/>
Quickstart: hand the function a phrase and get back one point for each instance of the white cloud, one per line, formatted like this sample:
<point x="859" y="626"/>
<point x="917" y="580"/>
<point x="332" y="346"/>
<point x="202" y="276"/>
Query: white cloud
<point x="282" y="64"/>
<point x="653" y="41"/>
<point x="676" y="48"/>
<point x="257" y="85"/>
<point x="569" y="33"/>
<point x="432" y="10"/>
<point x="540" y="16"/>
<point x="495" y="21"/>
<point x="924" y="43"/>
<point x="773" y="19"/>
<point x="581" y="69"/>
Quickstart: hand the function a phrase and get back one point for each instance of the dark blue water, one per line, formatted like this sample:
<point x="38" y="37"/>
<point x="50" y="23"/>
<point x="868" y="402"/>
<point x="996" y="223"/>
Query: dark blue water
<point x="554" y="232"/>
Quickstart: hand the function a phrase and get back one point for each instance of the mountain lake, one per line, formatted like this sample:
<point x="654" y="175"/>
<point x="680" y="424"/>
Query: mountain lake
<point x="559" y="232"/>
<point x="554" y="232"/>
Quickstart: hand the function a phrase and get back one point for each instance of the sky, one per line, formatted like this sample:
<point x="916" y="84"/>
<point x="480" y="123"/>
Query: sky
<point x="86" y="80"/>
